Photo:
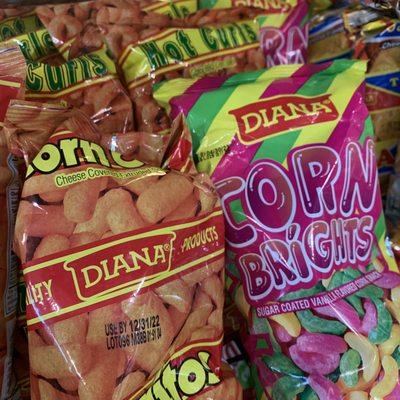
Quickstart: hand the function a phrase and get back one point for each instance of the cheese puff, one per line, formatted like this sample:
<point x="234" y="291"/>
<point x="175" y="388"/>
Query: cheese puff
<point x="51" y="244"/>
<point x="198" y="275"/>
<point x="163" y="197"/>
<point x="80" y="200"/>
<point x="54" y="196"/>
<point x="146" y="356"/>
<point x="79" y="239"/>
<point x="176" y="293"/>
<point x="54" y="362"/>
<point x="186" y="210"/>
<point x="201" y="310"/>
<point x="49" y="392"/>
<point x="124" y="217"/>
<point x="98" y="223"/>
<point x="100" y="381"/>
<point x="129" y="385"/>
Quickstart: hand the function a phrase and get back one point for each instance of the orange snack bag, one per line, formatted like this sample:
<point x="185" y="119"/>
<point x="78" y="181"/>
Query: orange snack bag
<point x="123" y="264"/>
<point x="12" y="74"/>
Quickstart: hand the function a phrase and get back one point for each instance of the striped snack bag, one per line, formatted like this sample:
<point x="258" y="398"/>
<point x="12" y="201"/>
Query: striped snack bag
<point x="291" y="152"/>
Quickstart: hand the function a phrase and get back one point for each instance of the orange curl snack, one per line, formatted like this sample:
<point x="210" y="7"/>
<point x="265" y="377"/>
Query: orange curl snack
<point x="124" y="280"/>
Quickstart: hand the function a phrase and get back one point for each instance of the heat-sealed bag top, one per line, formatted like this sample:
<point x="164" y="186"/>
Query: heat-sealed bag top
<point x="123" y="265"/>
<point x="291" y="152"/>
<point x="12" y="75"/>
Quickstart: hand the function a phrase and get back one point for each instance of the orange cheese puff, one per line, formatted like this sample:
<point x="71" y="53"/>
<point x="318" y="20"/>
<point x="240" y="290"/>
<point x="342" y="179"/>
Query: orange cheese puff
<point x="164" y="197"/>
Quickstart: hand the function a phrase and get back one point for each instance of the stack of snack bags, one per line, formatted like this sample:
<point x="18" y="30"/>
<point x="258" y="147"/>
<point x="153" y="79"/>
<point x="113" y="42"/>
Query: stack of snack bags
<point x="122" y="241"/>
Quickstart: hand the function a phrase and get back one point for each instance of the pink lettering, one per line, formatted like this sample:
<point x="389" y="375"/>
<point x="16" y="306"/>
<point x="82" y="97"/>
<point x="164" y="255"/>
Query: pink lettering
<point x="316" y="169"/>
<point x="270" y="196"/>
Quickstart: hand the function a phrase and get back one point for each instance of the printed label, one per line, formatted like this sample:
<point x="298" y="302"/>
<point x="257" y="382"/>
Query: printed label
<point x="63" y="154"/>
<point x="264" y="118"/>
<point x="45" y="78"/>
<point x="178" y="48"/>
<point x="184" y="376"/>
<point x="15" y="26"/>
<point x="35" y="45"/>
<point x="111" y="268"/>
<point x="303" y="232"/>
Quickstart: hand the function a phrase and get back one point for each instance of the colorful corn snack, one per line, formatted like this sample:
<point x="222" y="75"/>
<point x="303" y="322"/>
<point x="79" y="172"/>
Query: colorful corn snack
<point x="89" y="83"/>
<point x="12" y="74"/>
<point x="124" y="282"/>
<point x="291" y="152"/>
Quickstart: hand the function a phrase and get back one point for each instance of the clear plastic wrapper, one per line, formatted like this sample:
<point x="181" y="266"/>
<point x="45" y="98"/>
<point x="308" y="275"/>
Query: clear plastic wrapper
<point x="12" y="76"/>
<point x="90" y="83"/>
<point x="129" y="259"/>
<point x="291" y="152"/>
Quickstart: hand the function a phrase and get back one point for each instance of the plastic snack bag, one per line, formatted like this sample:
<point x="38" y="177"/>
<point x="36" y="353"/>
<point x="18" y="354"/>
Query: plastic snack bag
<point x="328" y="38"/>
<point x="379" y="44"/>
<point x="12" y="75"/>
<point x="129" y="262"/>
<point x="291" y="152"/>
<point x="189" y="52"/>
<point x="89" y="83"/>
<point x="284" y="33"/>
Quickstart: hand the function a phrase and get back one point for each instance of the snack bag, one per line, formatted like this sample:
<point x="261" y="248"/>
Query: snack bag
<point x="12" y="74"/>
<point x="76" y="27"/>
<point x="89" y="83"/>
<point x="291" y="152"/>
<point x="382" y="50"/>
<point x="129" y="260"/>
<point x="284" y="33"/>
<point x="328" y="38"/>
<point x="185" y="52"/>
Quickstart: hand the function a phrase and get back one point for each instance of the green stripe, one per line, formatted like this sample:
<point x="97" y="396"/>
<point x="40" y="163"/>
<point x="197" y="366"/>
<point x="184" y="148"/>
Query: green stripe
<point x="380" y="227"/>
<point x="207" y="107"/>
<point x="321" y="81"/>
<point x="277" y="148"/>
<point x="368" y="130"/>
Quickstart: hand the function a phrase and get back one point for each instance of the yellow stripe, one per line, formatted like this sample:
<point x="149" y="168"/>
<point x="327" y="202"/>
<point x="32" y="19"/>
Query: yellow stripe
<point x="56" y="95"/>
<point x="10" y="84"/>
<point x="120" y="241"/>
<point x="242" y="95"/>
<point x="129" y="48"/>
<point x="129" y="289"/>
<point x="342" y="90"/>
<point x="193" y="61"/>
